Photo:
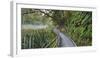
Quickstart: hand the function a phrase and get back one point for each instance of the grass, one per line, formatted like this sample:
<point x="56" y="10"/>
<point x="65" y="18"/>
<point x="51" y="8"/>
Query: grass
<point x="41" y="38"/>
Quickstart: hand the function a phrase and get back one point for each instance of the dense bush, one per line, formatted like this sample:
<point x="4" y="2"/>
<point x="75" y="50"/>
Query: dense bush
<point x="41" y="38"/>
<point x="75" y="24"/>
<point x="79" y="27"/>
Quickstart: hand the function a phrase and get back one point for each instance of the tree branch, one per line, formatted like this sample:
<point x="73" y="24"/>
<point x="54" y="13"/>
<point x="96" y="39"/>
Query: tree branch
<point x="38" y="10"/>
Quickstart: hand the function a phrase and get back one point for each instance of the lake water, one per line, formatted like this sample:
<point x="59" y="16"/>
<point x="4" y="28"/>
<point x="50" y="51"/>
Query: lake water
<point x="30" y="26"/>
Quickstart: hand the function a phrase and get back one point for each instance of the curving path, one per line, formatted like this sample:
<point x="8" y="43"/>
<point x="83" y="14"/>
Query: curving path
<point x="63" y="40"/>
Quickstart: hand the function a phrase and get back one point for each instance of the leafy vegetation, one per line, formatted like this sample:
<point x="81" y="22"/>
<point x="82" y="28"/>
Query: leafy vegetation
<point x="38" y="39"/>
<point x="79" y="27"/>
<point x="75" y="24"/>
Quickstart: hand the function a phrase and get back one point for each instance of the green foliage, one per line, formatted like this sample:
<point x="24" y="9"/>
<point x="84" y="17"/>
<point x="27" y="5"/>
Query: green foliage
<point x="42" y="38"/>
<point x="79" y="27"/>
<point x="76" y="24"/>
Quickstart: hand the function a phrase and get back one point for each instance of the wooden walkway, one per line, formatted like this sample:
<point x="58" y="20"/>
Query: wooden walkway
<point x="63" y="40"/>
